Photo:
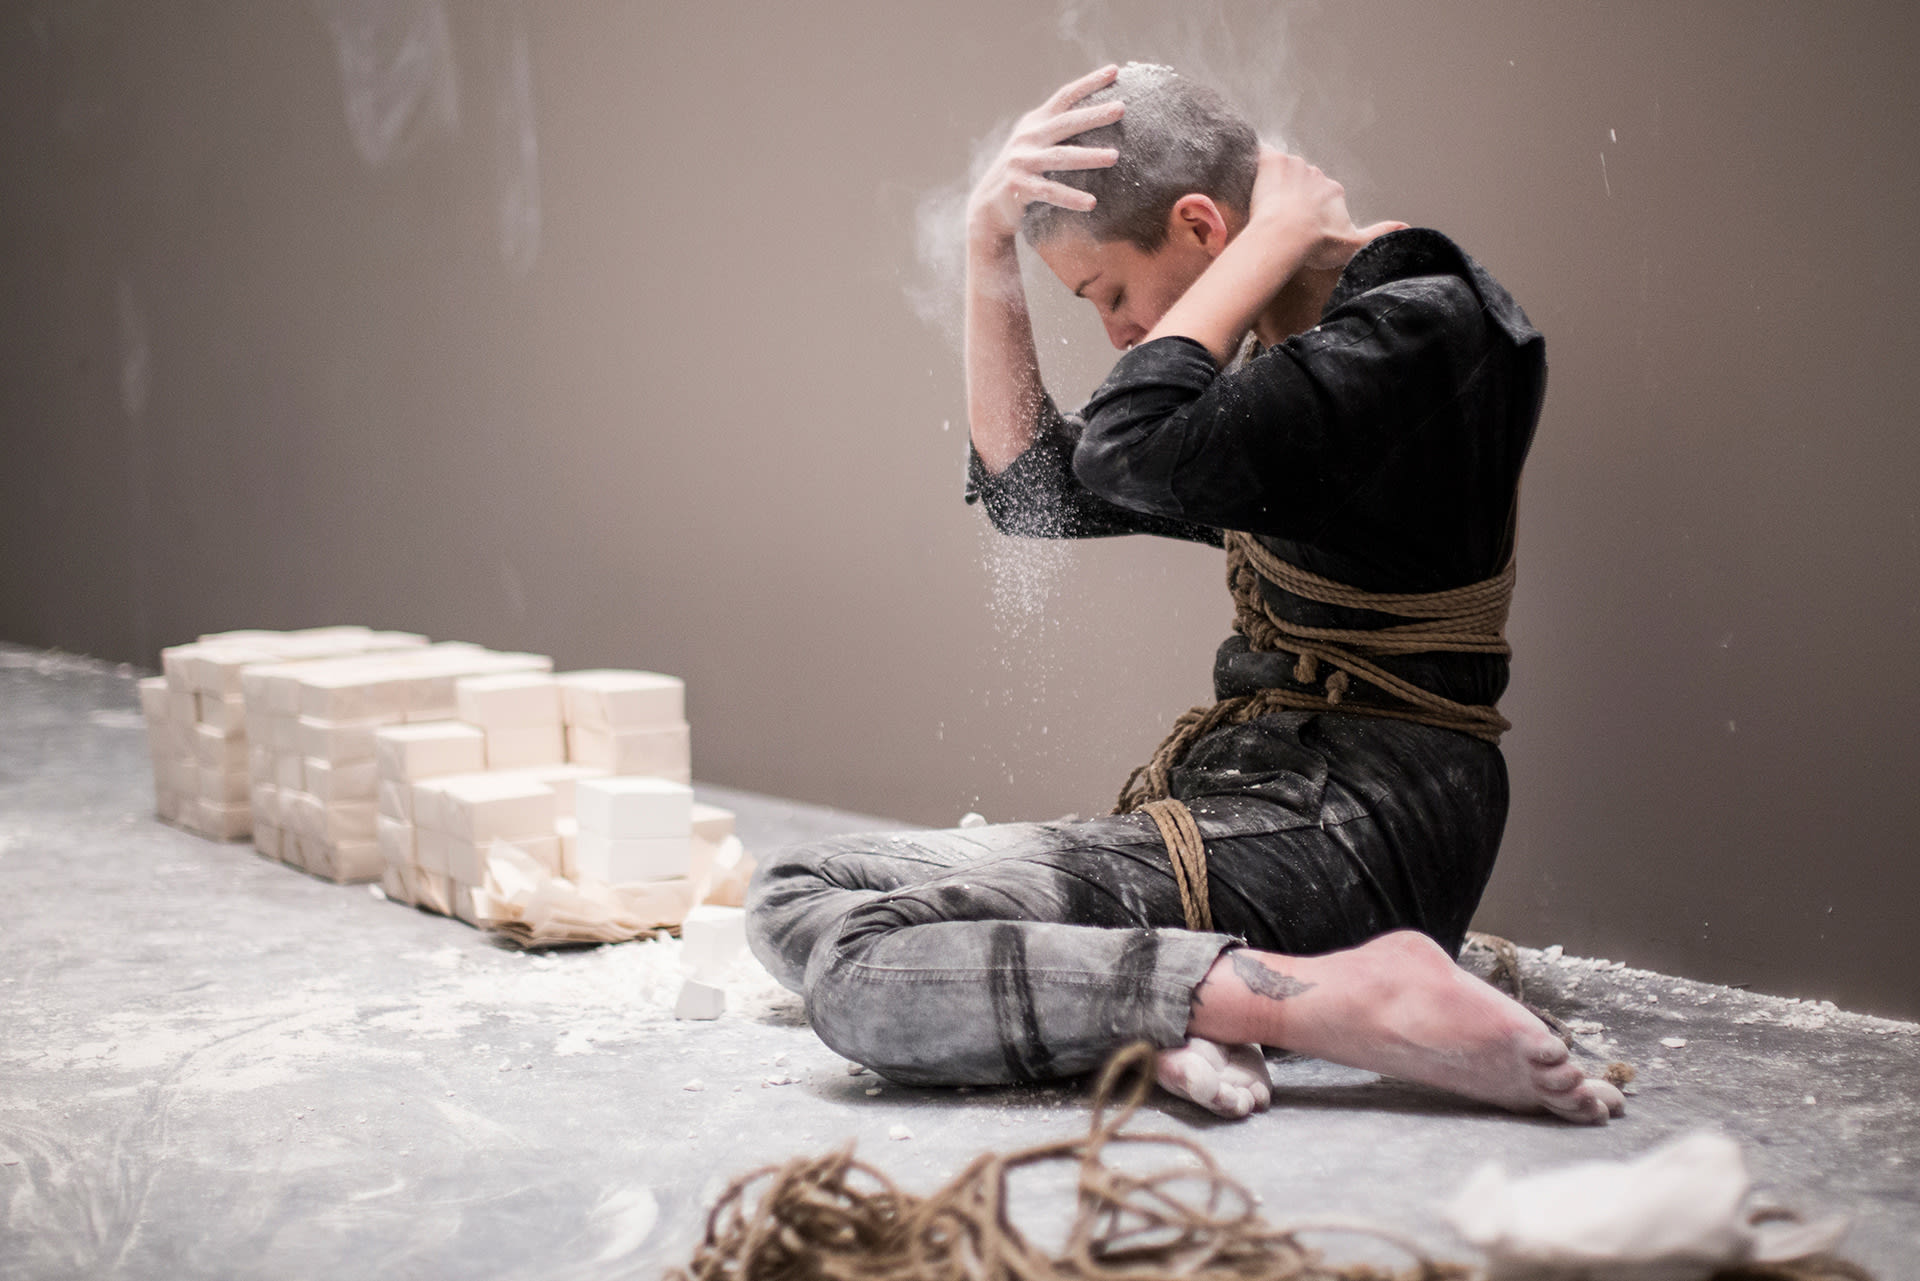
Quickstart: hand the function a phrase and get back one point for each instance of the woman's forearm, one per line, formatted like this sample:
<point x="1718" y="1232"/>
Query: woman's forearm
<point x="1004" y="393"/>
<point x="1221" y="306"/>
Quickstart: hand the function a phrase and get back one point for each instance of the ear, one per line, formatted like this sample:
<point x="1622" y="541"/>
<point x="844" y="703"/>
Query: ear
<point x="1196" y="220"/>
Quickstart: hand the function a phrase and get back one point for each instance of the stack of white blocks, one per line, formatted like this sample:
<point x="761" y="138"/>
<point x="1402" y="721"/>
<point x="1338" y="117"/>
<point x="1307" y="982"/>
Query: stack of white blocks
<point x="356" y="754"/>
<point x="198" y="730"/>
<point x="512" y="770"/>
<point x="634" y="829"/>
<point x="628" y="723"/>
<point x="316" y="787"/>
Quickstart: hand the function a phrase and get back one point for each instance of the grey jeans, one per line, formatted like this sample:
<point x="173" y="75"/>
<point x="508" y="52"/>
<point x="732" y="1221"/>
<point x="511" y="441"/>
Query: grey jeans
<point x="1034" y="950"/>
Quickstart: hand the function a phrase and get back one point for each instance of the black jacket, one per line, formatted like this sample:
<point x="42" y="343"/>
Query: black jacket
<point x="1382" y="448"/>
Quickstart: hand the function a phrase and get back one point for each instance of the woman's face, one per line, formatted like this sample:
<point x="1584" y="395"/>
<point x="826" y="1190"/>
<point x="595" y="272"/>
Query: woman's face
<point x="1130" y="287"/>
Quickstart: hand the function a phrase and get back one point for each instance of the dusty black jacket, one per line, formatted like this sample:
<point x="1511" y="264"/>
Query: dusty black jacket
<point x="1382" y="448"/>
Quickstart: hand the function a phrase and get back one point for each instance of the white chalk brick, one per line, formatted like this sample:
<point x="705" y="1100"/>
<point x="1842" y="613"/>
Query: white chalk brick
<point x="662" y="753"/>
<point x="510" y="700"/>
<point x="394" y="799"/>
<point x="629" y="808"/>
<point x="396" y="841"/>
<point x="334" y="783"/>
<point x="213" y="747"/>
<point x="338" y="741"/>
<point x="617" y="700"/>
<point x="485" y="807"/>
<point x="513" y="749"/>
<point x="711" y="939"/>
<point x="430" y="749"/>
<point x="618" y="862"/>
<point x="467" y="860"/>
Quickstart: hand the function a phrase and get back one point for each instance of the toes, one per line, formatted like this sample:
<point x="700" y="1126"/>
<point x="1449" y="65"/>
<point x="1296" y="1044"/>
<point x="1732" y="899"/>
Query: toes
<point x="1548" y="1050"/>
<point x="1232" y="1101"/>
<point x="1188" y="1074"/>
<point x="1212" y="1052"/>
<point x="1609" y="1094"/>
<point x="1558" y="1080"/>
<point x="1580" y="1105"/>
<point x="1247" y="1070"/>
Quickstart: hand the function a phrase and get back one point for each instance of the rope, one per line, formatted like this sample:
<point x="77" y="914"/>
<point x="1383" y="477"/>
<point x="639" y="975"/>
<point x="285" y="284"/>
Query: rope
<point x="1469" y="619"/>
<point x="1189" y="855"/>
<point x="836" y="1218"/>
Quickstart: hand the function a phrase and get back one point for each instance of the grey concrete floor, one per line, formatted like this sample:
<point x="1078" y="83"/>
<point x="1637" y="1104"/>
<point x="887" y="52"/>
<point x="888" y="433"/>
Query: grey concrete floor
<point x="211" y="1065"/>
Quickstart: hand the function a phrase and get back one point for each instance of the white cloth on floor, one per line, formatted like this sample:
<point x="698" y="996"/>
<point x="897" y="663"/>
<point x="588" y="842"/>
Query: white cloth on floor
<point x="1675" y="1214"/>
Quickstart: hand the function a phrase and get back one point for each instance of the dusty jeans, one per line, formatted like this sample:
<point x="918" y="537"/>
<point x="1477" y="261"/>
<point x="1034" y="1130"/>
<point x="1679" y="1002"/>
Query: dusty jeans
<point x="1034" y="950"/>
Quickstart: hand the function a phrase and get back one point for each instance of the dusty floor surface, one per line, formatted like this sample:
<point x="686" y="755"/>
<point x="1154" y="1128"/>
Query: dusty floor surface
<point x="211" y="1065"/>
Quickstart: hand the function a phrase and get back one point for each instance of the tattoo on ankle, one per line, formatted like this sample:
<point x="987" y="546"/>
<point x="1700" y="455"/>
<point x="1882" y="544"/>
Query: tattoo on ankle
<point x="1271" y="984"/>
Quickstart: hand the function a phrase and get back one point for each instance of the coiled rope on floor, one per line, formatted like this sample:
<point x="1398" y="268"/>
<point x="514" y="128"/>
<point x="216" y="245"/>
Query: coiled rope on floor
<point x="836" y="1218"/>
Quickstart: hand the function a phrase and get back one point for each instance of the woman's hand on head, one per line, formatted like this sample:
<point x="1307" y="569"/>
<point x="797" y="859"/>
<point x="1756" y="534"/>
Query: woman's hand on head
<point x="1291" y="195"/>
<point x="1036" y="147"/>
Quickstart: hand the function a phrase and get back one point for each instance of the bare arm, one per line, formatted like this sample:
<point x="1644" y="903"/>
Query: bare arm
<point x="1297" y="223"/>
<point x="1003" y="373"/>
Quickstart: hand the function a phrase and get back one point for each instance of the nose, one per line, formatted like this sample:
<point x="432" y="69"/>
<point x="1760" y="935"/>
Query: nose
<point x="1122" y="333"/>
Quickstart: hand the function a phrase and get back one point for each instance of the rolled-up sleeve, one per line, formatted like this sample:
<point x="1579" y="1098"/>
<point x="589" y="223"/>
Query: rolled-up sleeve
<point x="1038" y="495"/>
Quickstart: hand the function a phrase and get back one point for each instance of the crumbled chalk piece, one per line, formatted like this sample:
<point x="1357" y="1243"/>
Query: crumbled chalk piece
<point x="873" y="1090"/>
<point x="700" y="1001"/>
<point x="898" y="1131"/>
<point x="694" y="1086"/>
<point x="781" y="1078"/>
<point x="972" y="819"/>
<point x="856" y="1069"/>
<point x="1674" y="1042"/>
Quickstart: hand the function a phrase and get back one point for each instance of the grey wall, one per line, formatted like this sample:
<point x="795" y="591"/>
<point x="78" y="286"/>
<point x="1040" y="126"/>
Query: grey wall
<point x="601" y="329"/>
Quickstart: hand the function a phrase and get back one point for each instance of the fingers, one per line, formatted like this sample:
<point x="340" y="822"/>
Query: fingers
<point x="1069" y="123"/>
<point x="1053" y="193"/>
<point x="1071" y="92"/>
<point x="1050" y="159"/>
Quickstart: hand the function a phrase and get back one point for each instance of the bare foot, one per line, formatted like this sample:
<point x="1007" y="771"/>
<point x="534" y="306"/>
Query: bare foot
<point x="1398" y="1005"/>
<point x="1229" y="1080"/>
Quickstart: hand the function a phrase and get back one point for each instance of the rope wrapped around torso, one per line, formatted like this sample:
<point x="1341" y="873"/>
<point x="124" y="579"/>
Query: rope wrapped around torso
<point x="1469" y="619"/>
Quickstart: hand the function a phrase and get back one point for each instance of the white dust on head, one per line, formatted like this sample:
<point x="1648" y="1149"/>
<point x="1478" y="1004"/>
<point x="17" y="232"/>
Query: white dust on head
<point x="1244" y="51"/>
